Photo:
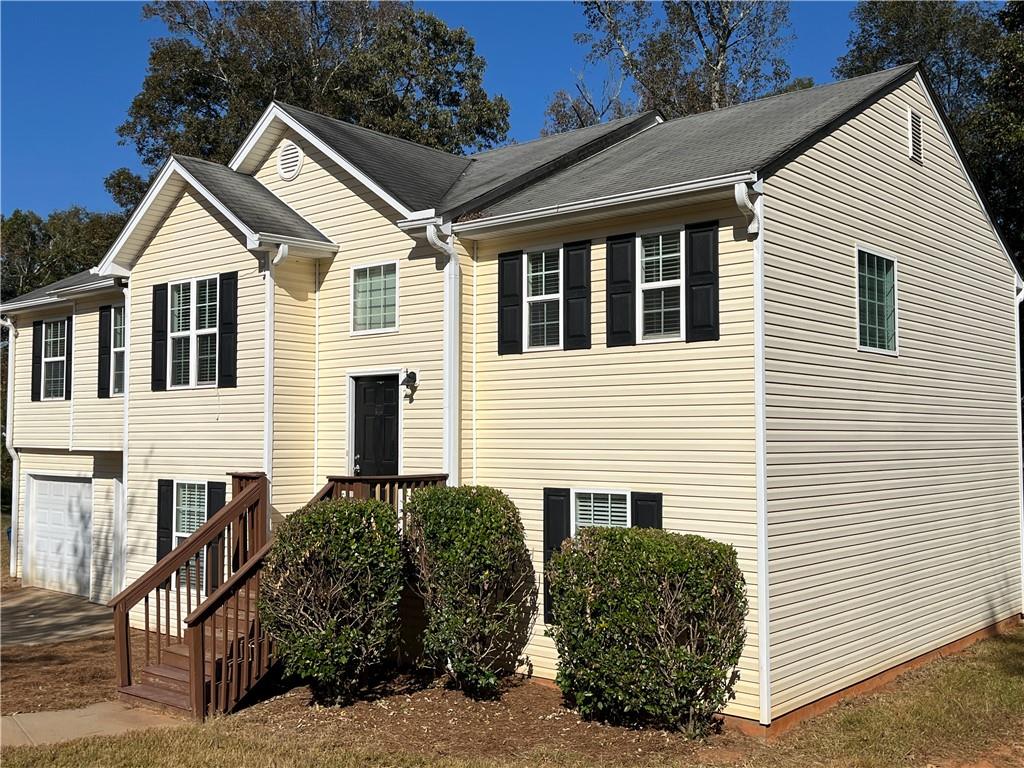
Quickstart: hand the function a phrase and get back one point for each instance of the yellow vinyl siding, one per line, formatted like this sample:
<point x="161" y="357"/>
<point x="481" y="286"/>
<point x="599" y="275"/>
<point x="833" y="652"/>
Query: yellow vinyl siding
<point x="103" y="468"/>
<point x="294" y="381"/>
<point x="673" y="417"/>
<point x="44" y="423"/>
<point x="893" y="493"/>
<point x="97" y="420"/>
<point x="364" y="228"/>
<point x="190" y="434"/>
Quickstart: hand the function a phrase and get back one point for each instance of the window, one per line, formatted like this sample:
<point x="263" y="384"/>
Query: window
<point x="543" y="315"/>
<point x="375" y="298"/>
<point x="661" y="286"/>
<point x="189" y="514"/>
<point x="117" y="350"/>
<point x="193" y="333"/>
<point x="54" y="358"/>
<point x="914" y="143"/>
<point x="876" y="302"/>
<point x="600" y="508"/>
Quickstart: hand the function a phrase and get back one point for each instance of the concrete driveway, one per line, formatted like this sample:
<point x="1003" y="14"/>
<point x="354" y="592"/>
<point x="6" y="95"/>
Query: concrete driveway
<point x="30" y="616"/>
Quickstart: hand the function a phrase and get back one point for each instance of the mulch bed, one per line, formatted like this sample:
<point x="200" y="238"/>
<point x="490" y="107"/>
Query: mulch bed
<point x="528" y="720"/>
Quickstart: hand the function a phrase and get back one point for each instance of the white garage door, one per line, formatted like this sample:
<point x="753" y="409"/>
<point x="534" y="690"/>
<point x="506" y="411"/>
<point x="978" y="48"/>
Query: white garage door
<point x="60" y="534"/>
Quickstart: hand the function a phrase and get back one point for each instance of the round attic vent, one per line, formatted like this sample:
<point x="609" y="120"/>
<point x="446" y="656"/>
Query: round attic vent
<point x="289" y="160"/>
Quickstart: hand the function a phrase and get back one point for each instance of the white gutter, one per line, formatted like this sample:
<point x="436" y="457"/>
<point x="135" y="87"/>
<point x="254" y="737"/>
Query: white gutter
<point x="452" y="300"/>
<point x="654" y="193"/>
<point x="764" y="667"/>
<point x="12" y="334"/>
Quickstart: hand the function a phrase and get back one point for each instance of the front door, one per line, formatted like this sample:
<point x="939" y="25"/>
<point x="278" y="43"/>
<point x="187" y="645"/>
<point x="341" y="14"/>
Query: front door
<point x="375" y="447"/>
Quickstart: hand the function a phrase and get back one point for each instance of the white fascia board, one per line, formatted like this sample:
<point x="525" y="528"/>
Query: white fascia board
<point x="172" y="166"/>
<point x="18" y="306"/>
<point x="274" y="112"/>
<point x="623" y="198"/>
<point x="268" y="239"/>
<point x="1018" y="281"/>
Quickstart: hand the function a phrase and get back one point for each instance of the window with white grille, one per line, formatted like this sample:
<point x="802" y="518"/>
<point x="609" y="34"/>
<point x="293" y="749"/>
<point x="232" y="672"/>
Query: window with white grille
<point x="375" y="298"/>
<point x="117" y="350"/>
<point x="661" y="286"/>
<point x="193" y="333"/>
<point x="543" y="316"/>
<point x="600" y="508"/>
<point x="189" y="514"/>
<point x="54" y="358"/>
<point x="915" y="147"/>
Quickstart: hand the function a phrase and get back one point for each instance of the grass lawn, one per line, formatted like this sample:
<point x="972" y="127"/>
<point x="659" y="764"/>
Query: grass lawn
<point x="964" y="710"/>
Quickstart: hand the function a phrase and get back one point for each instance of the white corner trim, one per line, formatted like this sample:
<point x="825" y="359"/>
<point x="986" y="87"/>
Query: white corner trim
<point x="764" y="666"/>
<point x="1019" y="282"/>
<point x="274" y="112"/>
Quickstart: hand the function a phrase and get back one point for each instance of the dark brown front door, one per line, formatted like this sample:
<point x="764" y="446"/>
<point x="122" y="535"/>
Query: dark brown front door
<point x="375" y="448"/>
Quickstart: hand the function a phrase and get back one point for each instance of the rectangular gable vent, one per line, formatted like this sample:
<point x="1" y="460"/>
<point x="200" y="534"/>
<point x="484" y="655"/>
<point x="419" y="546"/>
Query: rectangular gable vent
<point x="914" y="148"/>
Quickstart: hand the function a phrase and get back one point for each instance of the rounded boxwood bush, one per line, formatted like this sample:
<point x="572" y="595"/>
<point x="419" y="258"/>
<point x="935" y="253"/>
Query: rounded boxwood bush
<point x="474" y="573"/>
<point x="329" y="593"/>
<point x="649" y="626"/>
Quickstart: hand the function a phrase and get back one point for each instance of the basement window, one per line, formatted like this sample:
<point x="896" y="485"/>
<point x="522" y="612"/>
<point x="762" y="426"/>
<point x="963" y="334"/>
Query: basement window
<point x="608" y="509"/>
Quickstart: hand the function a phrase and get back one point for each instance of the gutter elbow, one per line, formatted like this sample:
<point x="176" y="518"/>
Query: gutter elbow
<point x="444" y="245"/>
<point x="742" y="195"/>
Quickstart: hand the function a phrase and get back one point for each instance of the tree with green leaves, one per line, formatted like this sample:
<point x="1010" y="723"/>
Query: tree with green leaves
<point x="973" y="55"/>
<point x="682" y="57"/>
<point x="386" y="66"/>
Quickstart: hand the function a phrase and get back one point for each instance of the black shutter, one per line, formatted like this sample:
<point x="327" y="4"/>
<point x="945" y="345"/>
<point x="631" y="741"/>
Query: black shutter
<point x="68" y="349"/>
<point x="510" y="303"/>
<point x="37" y="358"/>
<point x="103" y="377"/>
<point x="576" y="295"/>
<point x="158" y="364"/>
<point x="620" y="326"/>
<point x="556" y="530"/>
<point x="702" y="282"/>
<point x="646" y="510"/>
<point x="164" y="518"/>
<point x="227" y="331"/>
<point x="215" y="496"/>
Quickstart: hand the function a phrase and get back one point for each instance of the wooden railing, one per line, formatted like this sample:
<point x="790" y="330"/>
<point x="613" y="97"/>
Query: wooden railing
<point x="392" y="489"/>
<point x="203" y="568"/>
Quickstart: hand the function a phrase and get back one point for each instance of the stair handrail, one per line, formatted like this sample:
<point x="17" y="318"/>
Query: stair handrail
<point x="181" y="554"/>
<point x="228" y="588"/>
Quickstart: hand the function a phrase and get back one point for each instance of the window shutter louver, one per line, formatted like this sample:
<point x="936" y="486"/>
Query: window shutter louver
<point x="557" y="524"/>
<point x="103" y="375"/>
<point x="702" y="282"/>
<point x="510" y="303"/>
<point x="620" y="326"/>
<point x="215" y="499"/>
<point x="37" y="359"/>
<point x="164" y="517"/>
<point x="68" y="350"/>
<point x="576" y="295"/>
<point x="227" y="331"/>
<point x="158" y="364"/>
<point x="646" y="510"/>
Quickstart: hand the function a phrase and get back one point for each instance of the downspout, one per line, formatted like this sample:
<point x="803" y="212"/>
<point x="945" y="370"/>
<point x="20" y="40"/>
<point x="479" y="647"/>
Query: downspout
<point x="268" y="368"/>
<point x="1020" y="428"/>
<point x="12" y="334"/>
<point x="451" y="333"/>
<point x="121" y="521"/>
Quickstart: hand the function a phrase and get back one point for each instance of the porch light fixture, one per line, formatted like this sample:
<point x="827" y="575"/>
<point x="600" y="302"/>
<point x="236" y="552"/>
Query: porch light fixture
<point x="409" y="381"/>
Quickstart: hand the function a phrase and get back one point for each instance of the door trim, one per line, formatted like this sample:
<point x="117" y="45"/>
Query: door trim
<point x="350" y="433"/>
<point x="30" y="514"/>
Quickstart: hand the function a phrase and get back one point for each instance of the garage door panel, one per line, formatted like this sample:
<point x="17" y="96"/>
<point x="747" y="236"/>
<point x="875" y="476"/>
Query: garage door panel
<point x="61" y="534"/>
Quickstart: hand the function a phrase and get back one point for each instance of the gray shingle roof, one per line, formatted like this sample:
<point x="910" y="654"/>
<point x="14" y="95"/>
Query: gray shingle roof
<point x="254" y="205"/>
<point x="416" y="175"/>
<point x="744" y="137"/>
<point x="79" y="280"/>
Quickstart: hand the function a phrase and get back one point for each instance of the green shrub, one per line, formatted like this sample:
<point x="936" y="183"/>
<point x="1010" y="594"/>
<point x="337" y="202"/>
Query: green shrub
<point x="330" y="591"/>
<point x="649" y="626"/>
<point x="474" y="573"/>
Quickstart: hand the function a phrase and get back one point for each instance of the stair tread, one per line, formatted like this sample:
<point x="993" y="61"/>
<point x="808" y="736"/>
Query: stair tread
<point x="172" y="673"/>
<point x="159" y="695"/>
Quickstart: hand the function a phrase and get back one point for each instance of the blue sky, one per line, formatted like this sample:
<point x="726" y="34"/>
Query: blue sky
<point x="68" y="72"/>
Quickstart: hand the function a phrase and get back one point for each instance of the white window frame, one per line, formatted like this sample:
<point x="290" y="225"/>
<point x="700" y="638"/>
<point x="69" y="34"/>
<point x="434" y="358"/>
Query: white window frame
<point x="64" y="359"/>
<point x="124" y="335"/>
<point x="352" y="298"/>
<point x="910" y="135"/>
<point x="527" y="299"/>
<point x="174" y="525"/>
<point x="641" y="286"/>
<point x="193" y="333"/>
<point x="872" y="250"/>
<point x="609" y="491"/>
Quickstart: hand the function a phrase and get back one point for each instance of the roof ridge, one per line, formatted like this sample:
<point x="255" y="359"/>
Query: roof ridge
<point x="635" y="116"/>
<point x="373" y="131"/>
<point x="894" y="71"/>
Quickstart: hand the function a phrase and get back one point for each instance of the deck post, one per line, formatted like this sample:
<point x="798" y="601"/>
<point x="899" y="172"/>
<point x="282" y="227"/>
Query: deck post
<point x="122" y="641"/>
